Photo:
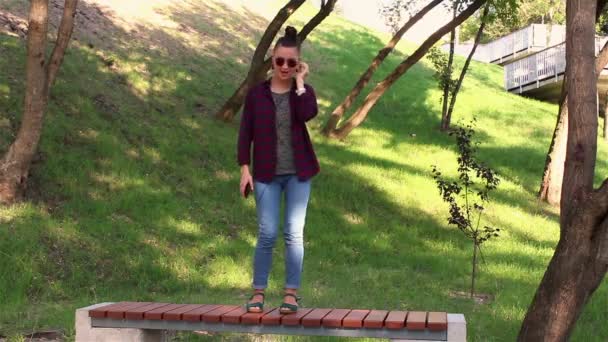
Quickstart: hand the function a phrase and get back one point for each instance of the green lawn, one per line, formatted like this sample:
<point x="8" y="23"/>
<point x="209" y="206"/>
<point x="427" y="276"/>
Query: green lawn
<point x="134" y="194"/>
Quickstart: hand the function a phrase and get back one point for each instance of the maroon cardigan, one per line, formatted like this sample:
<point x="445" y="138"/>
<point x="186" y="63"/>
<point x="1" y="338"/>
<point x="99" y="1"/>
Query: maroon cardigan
<point x="258" y="127"/>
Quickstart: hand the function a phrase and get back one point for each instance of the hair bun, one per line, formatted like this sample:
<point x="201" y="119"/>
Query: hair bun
<point x="291" y="33"/>
<point x="290" y="39"/>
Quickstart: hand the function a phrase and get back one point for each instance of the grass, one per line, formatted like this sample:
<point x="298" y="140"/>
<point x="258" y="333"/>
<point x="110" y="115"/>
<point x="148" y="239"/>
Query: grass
<point x="133" y="195"/>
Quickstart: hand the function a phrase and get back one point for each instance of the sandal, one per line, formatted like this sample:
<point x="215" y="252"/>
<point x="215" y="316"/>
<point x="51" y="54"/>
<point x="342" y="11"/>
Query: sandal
<point x="255" y="306"/>
<point x="287" y="308"/>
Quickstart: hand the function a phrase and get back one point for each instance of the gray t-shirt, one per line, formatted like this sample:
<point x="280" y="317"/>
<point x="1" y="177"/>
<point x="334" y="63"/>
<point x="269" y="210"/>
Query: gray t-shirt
<point x="285" y="162"/>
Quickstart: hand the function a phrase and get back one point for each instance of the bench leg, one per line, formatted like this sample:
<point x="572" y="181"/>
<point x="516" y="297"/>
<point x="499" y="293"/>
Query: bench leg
<point x="86" y="333"/>
<point x="457" y="329"/>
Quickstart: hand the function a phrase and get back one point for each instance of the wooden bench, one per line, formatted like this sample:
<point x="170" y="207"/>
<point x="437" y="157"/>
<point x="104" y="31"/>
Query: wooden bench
<point x="145" y="321"/>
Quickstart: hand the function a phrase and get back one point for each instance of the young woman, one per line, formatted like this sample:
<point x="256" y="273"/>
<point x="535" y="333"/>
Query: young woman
<point x="274" y="120"/>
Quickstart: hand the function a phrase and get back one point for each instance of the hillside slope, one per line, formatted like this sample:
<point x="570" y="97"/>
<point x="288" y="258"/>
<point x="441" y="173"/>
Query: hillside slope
<point x="134" y="192"/>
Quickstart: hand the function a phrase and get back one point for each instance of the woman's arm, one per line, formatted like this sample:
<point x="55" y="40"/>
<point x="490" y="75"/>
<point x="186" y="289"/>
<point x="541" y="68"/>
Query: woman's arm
<point x="245" y="132"/>
<point x="306" y="105"/>
<point x="244" y="145"/>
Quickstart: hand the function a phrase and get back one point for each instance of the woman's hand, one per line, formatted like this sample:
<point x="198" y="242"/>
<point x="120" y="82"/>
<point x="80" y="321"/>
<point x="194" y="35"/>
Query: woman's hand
<point x="302" y="72"/>
<point x="246" y="180"/>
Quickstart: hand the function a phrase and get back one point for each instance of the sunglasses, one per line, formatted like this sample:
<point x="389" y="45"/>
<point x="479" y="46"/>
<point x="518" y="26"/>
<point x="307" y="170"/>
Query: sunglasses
<point x="291" y="62"/>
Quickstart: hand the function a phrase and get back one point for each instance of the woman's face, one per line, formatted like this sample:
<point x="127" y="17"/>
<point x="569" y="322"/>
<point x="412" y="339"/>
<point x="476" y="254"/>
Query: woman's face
<point x="285" y="61"/>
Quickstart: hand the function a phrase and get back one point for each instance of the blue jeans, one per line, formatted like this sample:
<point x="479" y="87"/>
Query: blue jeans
<point x="268" y="205"/>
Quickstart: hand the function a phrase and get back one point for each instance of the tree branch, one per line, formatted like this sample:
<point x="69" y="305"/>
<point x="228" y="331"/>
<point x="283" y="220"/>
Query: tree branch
<point x="271" y="31"/>
<point x="601" y="60"/>
<point x="360" y="115"/>
<point x="600" y="199"/>
<point x="600" y="8"/>
<point x="302" y="35"/>
<point x="602" y="235"/>
<point x="63" y="39"/>
<point x="316" y="20"/>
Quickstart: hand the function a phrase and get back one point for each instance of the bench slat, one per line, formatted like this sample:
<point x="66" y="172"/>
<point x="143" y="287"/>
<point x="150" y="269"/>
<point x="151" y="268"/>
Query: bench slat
<point x="334" y="318"/>
<point x="313" y="318"/>
<point x="354" y="319"/>
<point x="437" y="321"/>
<point x="375" y="319"/>
<point x="255" y="317"/>
<point x="395" y="320"/>
<point x="307" y="317"/>
<point x="400" y="334"/>
<point x="234" y="316"/>
<point x="215" y="315"/>
<point x="272" y="318"/>
<point x="176" y="314"/>
<point x="416" y="320"/>
<point x="196" y="314"/>
<point x="119" y="312"/>
<point x="138" y="313"/>
<point x="296" y="318"/>
<point x="102" y="311"/>
<point x="157" y="314"/>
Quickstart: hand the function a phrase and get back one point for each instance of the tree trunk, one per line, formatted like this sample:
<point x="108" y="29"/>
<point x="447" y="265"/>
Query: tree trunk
<point x="448" y="75"/>
<point x="371" y="99"/>
<point x="582" y="106"/>
<point x="474" y="273"/>
<point x="448" y="117"/>
<point x="574" y="273"/>
<point x="260" y="66"/>
<point x="40" y="75"/>
<point x="338" y="113"/>
<point x="15" y="164"/>
<point x="551" y="184"/>
<point x="606" y="121"/>
<point x="580" y="261"/>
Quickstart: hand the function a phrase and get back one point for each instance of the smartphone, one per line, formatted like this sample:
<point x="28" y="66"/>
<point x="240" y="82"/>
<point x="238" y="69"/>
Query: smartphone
<point x="247" y="190"/>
